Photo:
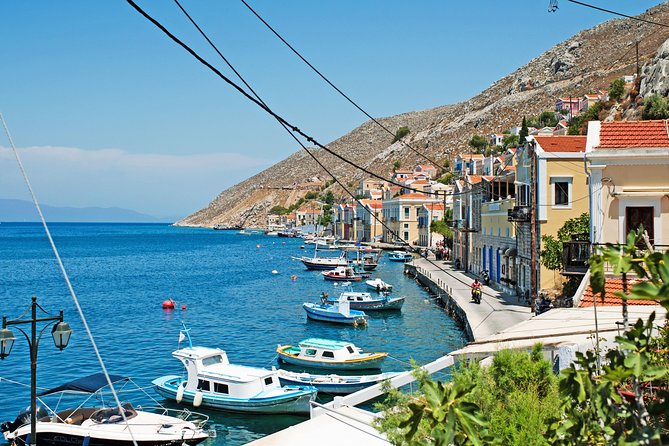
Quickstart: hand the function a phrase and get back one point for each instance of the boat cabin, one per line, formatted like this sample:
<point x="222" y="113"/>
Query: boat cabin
<point x="209" y="371"/>
<point x="325" y="350"/>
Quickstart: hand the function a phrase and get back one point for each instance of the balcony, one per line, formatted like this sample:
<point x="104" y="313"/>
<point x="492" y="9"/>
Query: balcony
<point x="519" y="213"/>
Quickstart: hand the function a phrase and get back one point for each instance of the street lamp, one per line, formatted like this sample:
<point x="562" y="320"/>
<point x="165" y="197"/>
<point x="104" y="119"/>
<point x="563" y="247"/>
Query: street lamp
<point x="61" y="333"/>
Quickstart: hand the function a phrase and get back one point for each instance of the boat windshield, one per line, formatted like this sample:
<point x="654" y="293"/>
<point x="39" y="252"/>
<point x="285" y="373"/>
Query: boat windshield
<point x="217" y="359"/>
<point x="112" y="414"/>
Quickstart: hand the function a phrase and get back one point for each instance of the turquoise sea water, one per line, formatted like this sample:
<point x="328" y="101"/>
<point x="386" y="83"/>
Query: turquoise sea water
<point x="122" y="273"/>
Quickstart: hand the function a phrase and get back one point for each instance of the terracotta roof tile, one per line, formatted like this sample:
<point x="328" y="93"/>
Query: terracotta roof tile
<point x="628" y="134"/>
<point x="613" y="284"/>
<point x="412" y="196"/>
<point x="560" y="143"/>
<point x="474" y="179"/>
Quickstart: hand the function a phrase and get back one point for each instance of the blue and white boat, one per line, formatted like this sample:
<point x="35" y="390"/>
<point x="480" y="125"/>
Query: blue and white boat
<point x="339" y="312"/>
<point x="365" y="301"/>
<point x="400" y="256"/>
<point x="214" y="383"/>
<point x="334" y="384"/>
<point x="329" y="354"/>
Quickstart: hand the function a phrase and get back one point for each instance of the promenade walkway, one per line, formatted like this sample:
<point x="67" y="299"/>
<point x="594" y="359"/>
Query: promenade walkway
<point x="496" y="312"/>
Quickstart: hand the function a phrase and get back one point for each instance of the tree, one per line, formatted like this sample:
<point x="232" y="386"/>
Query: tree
<point x="655" y="107"/>
<point x="401" y="133"/>
<point x="548" y="119"/>
<point x="479" y="143"/>
<point x="442" y="227"/>
<point x="280" y="210"/>
<point x="551" y="254"/>
<point x="617" y="89"/>
<point x="328" y="197"/>
<point x="396" y="165"/>
<point x="524" y="132"/>
<point x="578" y="124"/>
<point x="510" y="141"/>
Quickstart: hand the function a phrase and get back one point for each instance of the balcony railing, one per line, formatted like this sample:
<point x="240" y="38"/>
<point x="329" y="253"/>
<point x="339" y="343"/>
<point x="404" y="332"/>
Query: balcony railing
<point x="519" y="213"/>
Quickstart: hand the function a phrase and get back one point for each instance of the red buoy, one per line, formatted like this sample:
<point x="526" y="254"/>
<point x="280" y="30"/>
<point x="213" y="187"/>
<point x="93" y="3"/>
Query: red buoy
<point x="168" y="304"/>
<point x="183" y="307"/>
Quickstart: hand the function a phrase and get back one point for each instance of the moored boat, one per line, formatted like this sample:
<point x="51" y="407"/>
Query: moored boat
<point x="323" y="263"/>
<point x="105" y="426"/>
<point x="379" y="285"/>
<point x="334" y="384"/>
<point x="338" y="312"/>
<point x="215" y="383"/>
<point x="400" y="256"/>
<point x="329" y="354"/>
<point x="341" y="274"/>
<point x="365" y="301"/>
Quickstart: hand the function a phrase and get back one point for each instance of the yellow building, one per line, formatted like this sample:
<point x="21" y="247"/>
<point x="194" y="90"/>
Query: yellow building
<point x="628" y="164"/>
<point x="400" y="214"/>
<point x="562" y="190"/>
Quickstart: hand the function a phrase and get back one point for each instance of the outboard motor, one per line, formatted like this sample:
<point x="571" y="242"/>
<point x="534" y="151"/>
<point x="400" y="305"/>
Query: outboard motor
<point x="23" y="418"/>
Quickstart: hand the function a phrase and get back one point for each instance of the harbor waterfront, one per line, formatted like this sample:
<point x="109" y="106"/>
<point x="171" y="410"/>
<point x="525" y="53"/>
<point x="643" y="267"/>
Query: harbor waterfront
<point x="123" y="272"/>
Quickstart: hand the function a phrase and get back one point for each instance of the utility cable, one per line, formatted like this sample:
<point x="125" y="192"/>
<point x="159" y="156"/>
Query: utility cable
<point x="227" y="80"/>
<point x="618" y="13"/>
<point x="66" y="277"/>
<point x="297" y="53"/>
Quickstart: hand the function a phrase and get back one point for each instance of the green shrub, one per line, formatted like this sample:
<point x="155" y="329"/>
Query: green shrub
<point x="401" y="133"/>
<point x="655" y="107"/>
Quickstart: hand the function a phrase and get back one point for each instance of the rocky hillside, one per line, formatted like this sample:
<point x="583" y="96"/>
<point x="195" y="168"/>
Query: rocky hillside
<point x="588" y="61"/>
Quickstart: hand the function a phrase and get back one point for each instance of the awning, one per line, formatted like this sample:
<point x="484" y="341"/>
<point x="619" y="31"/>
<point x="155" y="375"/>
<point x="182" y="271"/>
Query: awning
<point x="511" y="252"/>
<point x="88" y="384"/>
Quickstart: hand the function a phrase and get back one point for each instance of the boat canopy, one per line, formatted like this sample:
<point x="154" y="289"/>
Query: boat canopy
<point x="87" y="384"/>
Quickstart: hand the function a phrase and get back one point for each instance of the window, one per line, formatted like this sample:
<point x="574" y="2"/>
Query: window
<point x="406" y="225"/>
<point x="268" y="381"/>
<point x="637" y="216"/>
<point x="407" y="212"/>
<point x="561" y="188"/>
<point x="350" y="349"/>
<point x="328" y="354"/>
<point x="310" y="352"/>
<point x="406" y="236"/>
<point x="221" y="388"/>
<point x="203" y="385"/>
<point x="218" y="359"/>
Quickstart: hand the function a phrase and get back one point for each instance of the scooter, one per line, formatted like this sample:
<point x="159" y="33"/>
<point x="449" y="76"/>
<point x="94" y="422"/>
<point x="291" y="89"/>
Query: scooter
<point x="542" y="306"/>
<point x="476" y="295"/>
<point x="486" y="277"/>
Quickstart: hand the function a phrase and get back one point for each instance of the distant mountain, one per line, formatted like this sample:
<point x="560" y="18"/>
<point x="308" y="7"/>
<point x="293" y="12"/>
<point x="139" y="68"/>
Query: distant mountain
<point x="24" y="211"/>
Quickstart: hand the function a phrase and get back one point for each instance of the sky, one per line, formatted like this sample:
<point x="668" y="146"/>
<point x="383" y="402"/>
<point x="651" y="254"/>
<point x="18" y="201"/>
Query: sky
<point x="107" y="111"/>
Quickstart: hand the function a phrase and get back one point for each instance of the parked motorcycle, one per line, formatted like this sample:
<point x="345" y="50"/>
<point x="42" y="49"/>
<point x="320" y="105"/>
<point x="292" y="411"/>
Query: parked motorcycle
<point x="486" y="277"/>
<point x="476" y="295"/>
<point x="543" y="305"/>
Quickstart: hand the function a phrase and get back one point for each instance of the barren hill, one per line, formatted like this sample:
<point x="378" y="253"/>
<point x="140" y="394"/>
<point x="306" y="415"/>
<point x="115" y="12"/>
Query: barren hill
<point x="588" y="61"/>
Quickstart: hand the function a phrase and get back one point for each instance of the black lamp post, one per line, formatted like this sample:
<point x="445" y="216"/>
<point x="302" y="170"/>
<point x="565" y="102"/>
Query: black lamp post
<point x="61" y="333"/>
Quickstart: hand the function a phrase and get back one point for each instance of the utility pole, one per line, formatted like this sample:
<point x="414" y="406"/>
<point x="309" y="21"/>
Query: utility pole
<point x="533" y="226"/>
<point x="638" y="73"/>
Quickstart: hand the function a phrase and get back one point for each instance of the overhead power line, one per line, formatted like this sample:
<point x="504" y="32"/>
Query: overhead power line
<point x="297" y="53"/>
<point x="619" y="14"/>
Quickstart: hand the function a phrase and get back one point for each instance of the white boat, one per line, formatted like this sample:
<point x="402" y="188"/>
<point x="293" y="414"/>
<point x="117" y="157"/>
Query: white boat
<point x="329" y="354"/>
<point x="364" y="301"/>
<point x="215" y="383"/>
<point x="379" y="285"/>
<point x="334" y="384"/>
<point x="400" y="256"/>
<point x="105" y="426"/>
<point x="338" y="311"/>
<point x="323" y="263"/>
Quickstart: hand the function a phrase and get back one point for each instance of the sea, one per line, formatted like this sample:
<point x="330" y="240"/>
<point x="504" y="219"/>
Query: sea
<point x="241" y="293"/>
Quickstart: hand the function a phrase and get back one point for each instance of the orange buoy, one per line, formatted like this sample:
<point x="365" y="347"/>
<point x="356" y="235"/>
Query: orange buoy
<point x="293" y="278"/>
<point x="168" y="304"/>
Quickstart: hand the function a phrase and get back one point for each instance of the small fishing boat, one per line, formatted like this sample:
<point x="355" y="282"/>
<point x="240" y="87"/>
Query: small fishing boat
<point x="329" y="354"/>
<point x="215" y="383"/>
<point x="368" y="262"/>
<point x="400" y="256"/>
<point x="338" y="311"/>
<point x="334" y="384"/>
<point x="342" y="273"/>
<point x="379" y="285"/>
<point x="102" y="425"/>
<point x="365" y="301"/>
<point x="322" y="263"/>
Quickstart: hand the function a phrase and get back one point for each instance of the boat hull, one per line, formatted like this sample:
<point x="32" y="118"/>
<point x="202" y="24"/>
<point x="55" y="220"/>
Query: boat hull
<point x="295" y="401"/>
<point x="372" y="362"/>
<point x="318" y="266"/>
<point x="333" y="384"/>
<point x="378" y="304"/>
<point x="329" y="314"/>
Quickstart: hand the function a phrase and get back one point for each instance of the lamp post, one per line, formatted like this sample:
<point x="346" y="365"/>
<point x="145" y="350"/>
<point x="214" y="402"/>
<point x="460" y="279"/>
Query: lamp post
<point x="61" y="333"/>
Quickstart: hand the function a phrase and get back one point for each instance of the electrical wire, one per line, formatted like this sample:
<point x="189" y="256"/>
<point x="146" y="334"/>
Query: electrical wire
<point x="297" y="53"/>
<point x="618" y="13"/>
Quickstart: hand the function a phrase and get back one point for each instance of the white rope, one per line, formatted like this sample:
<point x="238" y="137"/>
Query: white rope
<point x="65" y="276"/>
<point x="20" y="383"/>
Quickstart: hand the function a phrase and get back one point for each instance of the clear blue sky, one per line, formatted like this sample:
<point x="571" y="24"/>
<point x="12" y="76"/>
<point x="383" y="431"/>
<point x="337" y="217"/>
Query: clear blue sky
<point x="108" y="112"/>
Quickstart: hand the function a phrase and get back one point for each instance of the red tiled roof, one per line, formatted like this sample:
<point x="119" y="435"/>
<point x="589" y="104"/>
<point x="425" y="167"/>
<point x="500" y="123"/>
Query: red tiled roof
<point x="420" y="182"/>
<point x="627" y="134"/>
<point x="610" y="299"/>
<point x="435" y="206"/>
<point x="559" y="143"/>
<point x="474" y="179"/>
<point x="412" y="196"/>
